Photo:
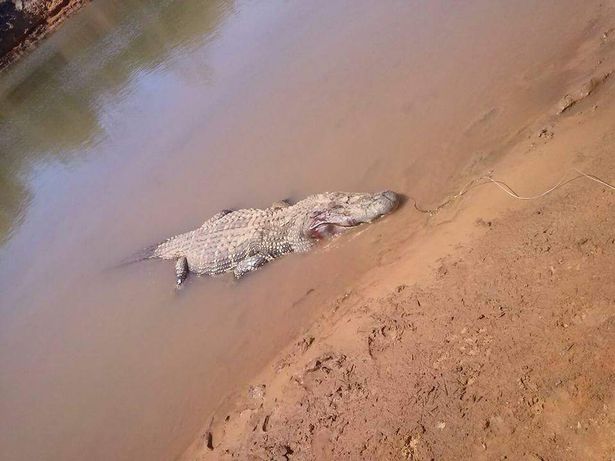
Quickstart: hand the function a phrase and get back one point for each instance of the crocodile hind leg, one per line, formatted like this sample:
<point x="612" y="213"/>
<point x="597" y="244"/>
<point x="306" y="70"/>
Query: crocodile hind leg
<point x="220" y="214"/>
<point x="181" y="270"/>
<point x="250" y="264"/>
<point x="281" y="204"/>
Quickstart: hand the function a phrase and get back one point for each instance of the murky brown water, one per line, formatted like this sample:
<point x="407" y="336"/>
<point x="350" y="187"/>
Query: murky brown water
<point x="139" y="120"/>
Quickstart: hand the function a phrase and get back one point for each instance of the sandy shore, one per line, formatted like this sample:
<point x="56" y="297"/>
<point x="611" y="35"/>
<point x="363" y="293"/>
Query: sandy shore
<point x="487" y="334"/>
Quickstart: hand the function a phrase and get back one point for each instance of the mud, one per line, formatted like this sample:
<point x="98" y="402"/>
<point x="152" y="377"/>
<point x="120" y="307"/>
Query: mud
<point x="581" y="93"/>
<point x="507" y="354"/>
<point x="502" y="347"/>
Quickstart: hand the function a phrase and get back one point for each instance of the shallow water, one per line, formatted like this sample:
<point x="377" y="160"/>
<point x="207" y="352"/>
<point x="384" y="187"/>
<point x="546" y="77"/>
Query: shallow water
<point x="138" y="120"/>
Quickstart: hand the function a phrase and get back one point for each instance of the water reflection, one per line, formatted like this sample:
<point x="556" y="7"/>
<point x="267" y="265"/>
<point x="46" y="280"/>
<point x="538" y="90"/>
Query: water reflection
<point x="52" y="104"/>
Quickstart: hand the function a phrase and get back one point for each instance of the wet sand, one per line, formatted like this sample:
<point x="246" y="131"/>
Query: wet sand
<point x="266" y="103"/>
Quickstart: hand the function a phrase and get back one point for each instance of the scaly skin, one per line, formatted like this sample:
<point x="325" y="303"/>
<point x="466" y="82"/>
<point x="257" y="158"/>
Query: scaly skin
<point x="243" y="240"/>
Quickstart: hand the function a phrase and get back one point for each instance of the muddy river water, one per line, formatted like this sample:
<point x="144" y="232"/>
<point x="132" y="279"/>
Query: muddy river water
<point x="138" y="120"/>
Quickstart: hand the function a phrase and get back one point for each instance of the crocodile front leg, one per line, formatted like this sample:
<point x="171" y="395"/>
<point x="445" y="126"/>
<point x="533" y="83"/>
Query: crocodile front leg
<point x="181" y="270"/>
<point x="250" y="264"/>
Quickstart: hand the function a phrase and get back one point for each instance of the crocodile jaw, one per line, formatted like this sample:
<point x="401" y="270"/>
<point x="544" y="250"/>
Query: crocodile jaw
<point x="345" y="211"/>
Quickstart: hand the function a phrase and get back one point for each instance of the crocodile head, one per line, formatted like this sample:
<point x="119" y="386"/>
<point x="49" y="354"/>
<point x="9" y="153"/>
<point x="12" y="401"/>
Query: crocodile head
<point x="335" y="212"/>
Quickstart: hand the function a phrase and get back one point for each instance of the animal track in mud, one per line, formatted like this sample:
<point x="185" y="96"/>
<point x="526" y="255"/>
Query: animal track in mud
<point x="387" y="331"/>
<point x="300" y="348"/>
<point x="608" y="35"/>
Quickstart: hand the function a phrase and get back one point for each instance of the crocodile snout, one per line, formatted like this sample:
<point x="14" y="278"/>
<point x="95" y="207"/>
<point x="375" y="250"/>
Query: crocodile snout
<point x="392" y="196"/>
<point x="388" y="201"/>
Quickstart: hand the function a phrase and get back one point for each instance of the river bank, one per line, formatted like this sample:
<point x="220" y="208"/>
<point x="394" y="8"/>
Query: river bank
<point x="490" y="334"/>
<point x="139" y="120"/>
<point x="24" y="23"/>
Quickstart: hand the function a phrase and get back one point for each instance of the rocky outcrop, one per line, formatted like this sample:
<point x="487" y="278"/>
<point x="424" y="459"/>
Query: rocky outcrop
<point x="25" y="22"/>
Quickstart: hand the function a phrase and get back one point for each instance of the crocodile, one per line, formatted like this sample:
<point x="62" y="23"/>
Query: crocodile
<point x="241" y="241"/>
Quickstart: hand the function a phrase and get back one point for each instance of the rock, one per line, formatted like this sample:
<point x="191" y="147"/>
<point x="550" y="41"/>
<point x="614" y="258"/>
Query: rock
<point x="257" y="392"/>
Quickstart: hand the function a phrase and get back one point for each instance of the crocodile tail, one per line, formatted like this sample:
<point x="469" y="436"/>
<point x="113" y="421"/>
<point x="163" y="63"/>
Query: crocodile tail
<point x="142" y="255"/>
